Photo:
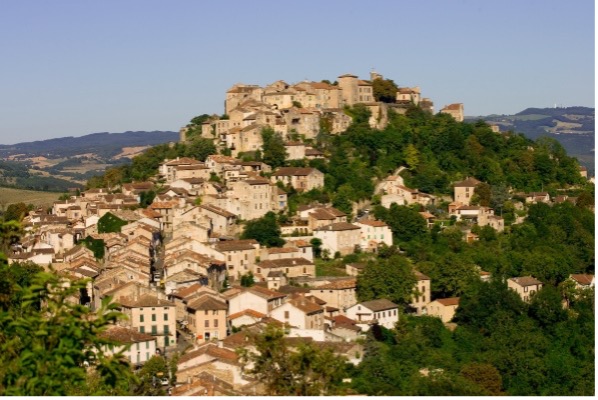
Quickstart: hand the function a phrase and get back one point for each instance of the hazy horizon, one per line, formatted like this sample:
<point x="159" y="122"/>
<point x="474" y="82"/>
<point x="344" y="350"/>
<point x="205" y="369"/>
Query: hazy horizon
<point x="75" y="68"/>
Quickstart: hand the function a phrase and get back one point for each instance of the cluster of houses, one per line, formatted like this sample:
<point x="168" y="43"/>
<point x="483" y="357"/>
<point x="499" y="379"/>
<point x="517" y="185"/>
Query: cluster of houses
<point x="182" y="276"/>
<point x="303" y="109"/>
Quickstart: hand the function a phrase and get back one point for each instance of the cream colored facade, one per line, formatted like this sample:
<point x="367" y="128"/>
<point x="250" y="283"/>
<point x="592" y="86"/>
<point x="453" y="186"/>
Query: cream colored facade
<point x="373" y="234"/>
<point x="300" y="313"/>
<point x="455" y="111"/>
<point x="443" y="308"/>
<point x="524" y="286"/>
<point x="342" y="237"/>
<point x="207" y="318"/>
<point x="302" y="179"/>
<point x="463" y="191"/>
<point x="340" y="294"/>
<point x="423" y="289"/>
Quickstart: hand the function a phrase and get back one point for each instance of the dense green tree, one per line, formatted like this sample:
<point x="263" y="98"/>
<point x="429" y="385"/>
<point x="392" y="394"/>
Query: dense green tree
<point x="385" y="90"/>
<point x="146" y="198"/>
<point x="16" y="212"/>
<point x="273" y="151"/>
<point x="44" y="345"/>
<point x="391" y="279"/>
<point x="304" y="371"/>
<point x="265" y="230"/>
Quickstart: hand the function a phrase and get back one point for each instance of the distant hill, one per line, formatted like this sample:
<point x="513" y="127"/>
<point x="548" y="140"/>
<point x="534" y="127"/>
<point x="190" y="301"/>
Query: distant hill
<point x="102" y="144"/>
<point x="573" y="127"/>
<point x="68" y="162"/>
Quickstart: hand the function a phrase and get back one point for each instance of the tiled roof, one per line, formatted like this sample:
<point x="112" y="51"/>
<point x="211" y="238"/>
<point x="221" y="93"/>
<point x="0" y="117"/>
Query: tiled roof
<point x="338" y="226"/>
<point x="207" y="302"/>
<point x="248" y="311"/>
<point x="526" y="281"/>
<point x="149" y="300"/>
<point x="306" y="306"/>
<point x="293" y="171"/>
<point x="583" y="279"/>
<point x="451" y="301"/>
<point x="285" y="262"/>
<point x="468" y="182"/>
<point x="373" y="223"/>
<point x="379" y="305"/>
<point x="350" y="283"/>
<point x="124" y="335"/>
<point x="236" y="245"/>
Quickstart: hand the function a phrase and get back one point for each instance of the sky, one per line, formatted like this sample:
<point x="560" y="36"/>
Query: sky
<point x="75" y="67"/>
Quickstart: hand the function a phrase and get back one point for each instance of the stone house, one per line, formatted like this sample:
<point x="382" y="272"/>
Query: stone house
<point x="341" y="237"/>
<point x="136" y="347"/>
<point x="301" y="179"/>
<point x="454" y="110"/>
<point x="254" y="298"/>
<point x="464" y="189"/>
<point x="221" y="221"/>
<point x="340" y="294"/>
<point x="373" y="234"/>
<point x="291" y="267"/>
<point x="524" y="286"/>
<point x="152" y="315"/>
<point x="423" y="288"/>
<point x="443" y="308"/>
<point x="301" y="313"/>
<point x="207" y="317"/>
<point x="381" y="311"/>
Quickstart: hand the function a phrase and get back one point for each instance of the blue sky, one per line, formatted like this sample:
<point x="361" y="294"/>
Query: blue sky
<point x="74" y="67"/>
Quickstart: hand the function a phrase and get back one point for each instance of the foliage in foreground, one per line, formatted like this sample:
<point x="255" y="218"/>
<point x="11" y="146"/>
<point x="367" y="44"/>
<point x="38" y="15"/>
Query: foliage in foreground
<point x="302" y="371"/>
<point x="45" y="340"/>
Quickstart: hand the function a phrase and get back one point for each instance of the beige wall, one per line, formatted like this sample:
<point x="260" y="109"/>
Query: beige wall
<point x="156" y="319"/>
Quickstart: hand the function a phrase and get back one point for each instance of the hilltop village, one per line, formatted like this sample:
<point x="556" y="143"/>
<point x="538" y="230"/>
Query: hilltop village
<point x="180" y="264"/>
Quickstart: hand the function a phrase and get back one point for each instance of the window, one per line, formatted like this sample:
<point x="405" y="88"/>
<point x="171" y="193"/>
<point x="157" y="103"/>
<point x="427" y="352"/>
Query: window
<point x="165" y="317"/>
<point x="206" y="312"/>
<point x="166" y="329"/>
<point x="215" y="323"/>
<point x="147" y="345"/>
<point x="154" y="329"/>
<point x="141" y="318"/>
<point x="142" y="329"/>
<point x="153" y="317"/>
<point x="525" y="289"/>
<point x="286" y="315"/>
<point x="207" y="323"/>
<point x="137" y="346"/>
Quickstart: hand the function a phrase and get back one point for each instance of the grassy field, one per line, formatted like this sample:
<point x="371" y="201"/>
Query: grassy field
<point x="10" y="196"/>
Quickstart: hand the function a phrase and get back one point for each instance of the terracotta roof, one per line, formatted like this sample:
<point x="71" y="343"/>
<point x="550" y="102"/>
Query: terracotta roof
<point x="217" y="210"/>
<point x="350" y="283"/>
<point x="184" y="292"/>
<point x="265" y="293"/>
<point x="379" y="304"/>
<point x="248" y="311"/>
<point x="306" y="306"/>
<point x="338" y="226"/>
<point x="124" y="335"/>
<point x="468" y="182"/>
<point x="182" y="161"/>
<point x="373" y="223"/>
<point x="149" y="300"/>
<point x="235" y="245"/>
<point x="526" y="281"/>
<point x="583" y="279"/>
<point x="207" y="302"/>
<point x="421" y="277"/>
<point x="294" y="171"/>
<point x="328" y="213"/>
<point x="451" y="301"/>
<point x="285" y="262"/>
